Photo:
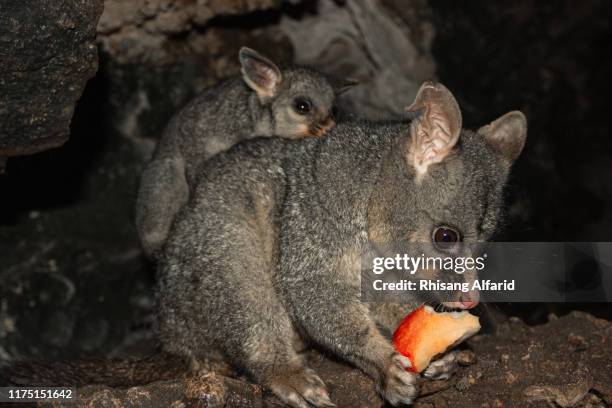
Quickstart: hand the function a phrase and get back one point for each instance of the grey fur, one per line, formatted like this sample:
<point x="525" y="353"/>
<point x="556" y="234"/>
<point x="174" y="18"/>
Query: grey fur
<point x="267" y="250"/>
<point x="216" y="120"/>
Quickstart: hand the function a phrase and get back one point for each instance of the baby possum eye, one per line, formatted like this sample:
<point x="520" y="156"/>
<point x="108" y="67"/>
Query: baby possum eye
<point x="302" y="106"/>
<point x="445" y="237"/>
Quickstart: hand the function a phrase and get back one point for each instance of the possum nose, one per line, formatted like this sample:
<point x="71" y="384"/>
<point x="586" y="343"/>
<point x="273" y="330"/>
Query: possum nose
<point x="468" y="304"/>
<point x="469" y="300"/>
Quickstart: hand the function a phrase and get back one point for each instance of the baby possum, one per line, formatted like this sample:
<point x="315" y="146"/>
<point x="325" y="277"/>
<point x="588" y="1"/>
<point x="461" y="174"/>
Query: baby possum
<point x="264" y="101"/>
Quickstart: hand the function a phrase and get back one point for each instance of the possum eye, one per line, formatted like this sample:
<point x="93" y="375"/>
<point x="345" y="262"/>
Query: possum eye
<point x="445" y="237"/>
<point x="302" y="105"/>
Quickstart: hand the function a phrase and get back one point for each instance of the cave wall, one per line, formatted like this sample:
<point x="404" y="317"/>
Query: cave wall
<point x="48" y="53"/>
<point x="552" y="62"/>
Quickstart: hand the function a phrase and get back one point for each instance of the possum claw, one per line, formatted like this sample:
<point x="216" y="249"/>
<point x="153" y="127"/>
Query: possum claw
<point x="442" y="368"/>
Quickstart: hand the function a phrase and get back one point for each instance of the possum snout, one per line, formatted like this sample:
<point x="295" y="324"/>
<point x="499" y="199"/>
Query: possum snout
<point x="319" y="129"/>
<point x="464" y="300"/>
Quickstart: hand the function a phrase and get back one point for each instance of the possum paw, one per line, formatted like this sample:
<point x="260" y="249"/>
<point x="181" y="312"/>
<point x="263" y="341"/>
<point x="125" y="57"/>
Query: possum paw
<point x="301" y="389"/>
<point x="400" y="386"/>
<point x="442" y="368"/>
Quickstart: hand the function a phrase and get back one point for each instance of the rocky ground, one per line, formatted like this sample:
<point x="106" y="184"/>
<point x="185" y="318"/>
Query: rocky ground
<point x="565" y="363"/>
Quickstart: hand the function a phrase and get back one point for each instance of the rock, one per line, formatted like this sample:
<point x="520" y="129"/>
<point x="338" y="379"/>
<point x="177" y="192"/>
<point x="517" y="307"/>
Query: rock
<point x="466" y="357"/>
<point x="348" y="387"/>
<point x="561" y="376"/>
<point x="48" y="54"/>
<point x="372" y="42"/>
<point x="161" y="31"/>
<point x="566" y="396"/>
<point x="206" y="391"/>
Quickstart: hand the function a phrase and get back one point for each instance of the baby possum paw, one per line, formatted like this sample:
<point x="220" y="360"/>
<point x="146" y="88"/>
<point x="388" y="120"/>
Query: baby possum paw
<point x="400" y="386"/>
<point x="301" y="389"/>
<point x="442" y="368"/>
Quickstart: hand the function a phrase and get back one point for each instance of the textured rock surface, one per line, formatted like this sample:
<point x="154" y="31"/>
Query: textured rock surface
<point x="566" y="362"/>
<point x="384" y="45"/>
<point x="48" y="54"/>
<point x="206" y="391"/>
<point x="160" y="31"/>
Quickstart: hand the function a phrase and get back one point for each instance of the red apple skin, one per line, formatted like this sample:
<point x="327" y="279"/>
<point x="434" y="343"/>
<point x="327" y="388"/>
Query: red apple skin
<point x="406" y="335"/>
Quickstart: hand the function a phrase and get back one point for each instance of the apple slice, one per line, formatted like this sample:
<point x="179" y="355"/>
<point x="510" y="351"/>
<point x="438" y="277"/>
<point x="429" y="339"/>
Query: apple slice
<point x="424" y="334"/>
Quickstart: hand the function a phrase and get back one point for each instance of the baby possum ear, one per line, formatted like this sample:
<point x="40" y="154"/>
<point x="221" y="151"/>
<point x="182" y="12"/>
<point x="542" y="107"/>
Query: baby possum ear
<point x="341" y="86"/>
<point x="260" y="74"/>
<point x="506" y="135"/>
<point x="436" y="130"/>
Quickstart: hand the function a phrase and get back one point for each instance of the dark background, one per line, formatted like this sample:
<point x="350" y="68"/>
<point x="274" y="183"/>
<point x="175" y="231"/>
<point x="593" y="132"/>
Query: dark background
<point x="73" y="281"/>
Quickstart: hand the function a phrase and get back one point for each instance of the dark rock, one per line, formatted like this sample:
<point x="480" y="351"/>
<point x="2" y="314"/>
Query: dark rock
<point x="348" y="387"/>
<point x="161" y="31"/>
<point x="371" y="42"/>
<point x="48" y="54"/>
<point x="466" y="357"/>
<point x="528" y="377"/>
<point x="562" y="376"/>
<point x="71" y="254"/>
<point x="206" y="391"/>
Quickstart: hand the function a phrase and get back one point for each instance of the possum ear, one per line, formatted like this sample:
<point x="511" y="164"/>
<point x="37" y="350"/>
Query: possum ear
<point x="260" y="74"/>
<point x="436" y="130"/>
<point x="344" y="85"/>
<point x="506" y="135"/>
